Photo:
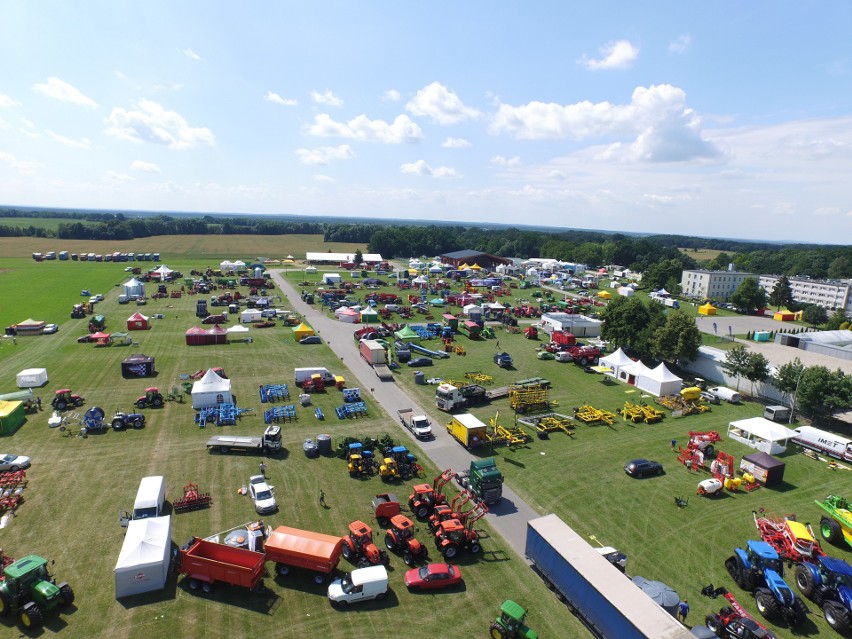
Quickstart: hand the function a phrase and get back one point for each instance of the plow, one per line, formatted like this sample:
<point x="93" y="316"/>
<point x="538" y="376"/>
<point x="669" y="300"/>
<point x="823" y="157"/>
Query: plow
<point x="547" y="424"/>
<point x="192" y="499"/>
<point x="641" y="413"/>
<point x="592" y="416"/>
<point x="509" y="436"/>
<point x="677" y="403"/>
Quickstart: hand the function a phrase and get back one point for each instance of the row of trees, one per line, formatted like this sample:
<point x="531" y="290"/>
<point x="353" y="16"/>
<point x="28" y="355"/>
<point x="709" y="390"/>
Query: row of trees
<point x="815" y="389"/>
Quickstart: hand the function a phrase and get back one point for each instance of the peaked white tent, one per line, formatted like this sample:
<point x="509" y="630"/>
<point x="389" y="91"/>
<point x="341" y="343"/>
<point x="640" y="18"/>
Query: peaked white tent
<point x="143" y="563"/>
<point x="162" y="272"/>
<point x="211" y="390"/>
<point x="133" y="288"/>
<point x="626" y="291"/>
<point x="660" y="381"/>
<point x="633" y="372"/>
<point x="616" y="361"/>
<point x="238" y="331"/>
<point x="251" y="315"/>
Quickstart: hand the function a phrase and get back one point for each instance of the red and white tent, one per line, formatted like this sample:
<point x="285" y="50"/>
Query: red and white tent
<point x="137" y="322"/>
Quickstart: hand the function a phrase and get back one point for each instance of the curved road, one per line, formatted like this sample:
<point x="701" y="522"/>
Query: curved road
<point x="508" y="517"/>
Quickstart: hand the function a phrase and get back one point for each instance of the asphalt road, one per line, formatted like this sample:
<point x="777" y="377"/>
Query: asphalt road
<point x="508" y="517"/>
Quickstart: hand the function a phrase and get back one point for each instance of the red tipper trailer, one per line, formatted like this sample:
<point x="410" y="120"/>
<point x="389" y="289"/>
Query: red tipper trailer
<point x="294" y="548"/>
<point x="563" y="338"/>
<point x="205" y="563"/>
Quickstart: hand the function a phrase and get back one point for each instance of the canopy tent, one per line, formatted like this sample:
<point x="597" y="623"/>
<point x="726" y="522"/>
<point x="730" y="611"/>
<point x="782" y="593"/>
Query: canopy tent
<point x="30" y="327"/>
<point x="302" y="330"/>
<point x="659" y="381"/>
<point x="616" y="361"/>
<point x="472" y="309"/>
<point x="137" y="322"/>
<point x="626" y="291"/>
<point x="133" y="288"/>
<point x="476" y="267"/>
<point x="707" y="309"/>
<point x="138" y="365"/>
<point x="211" y="390"/>
<point x="143" y="563"/>
<point x="12" y="416"/>
<point x="346" y="314"/>
<point x="766" y="469"/>
<point x="238" y="331"/>
<point x="369" y="315"/>
<point x="217" y="335"/>
<point x="331" y="278"/>
<point x="196" y="336"/>
<point x="407" y="334"/>
<point x="631" y="373"/>
<point x="762" y="434"/>
<point x="251" y="315"/>
<point x="604" y="295"/>
<point x="162" y="272"/>
<point x="31" y="378"/>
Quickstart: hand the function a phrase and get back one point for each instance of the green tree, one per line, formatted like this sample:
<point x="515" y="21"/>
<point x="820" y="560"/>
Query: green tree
<point x="837" y="319"/>
<point x="679" y="338"/>
<point x="822" y="391"/>
<point x="814" y="315"/>
<point x="757" y="369"/>
<point x="782" y="293"/>
<point x="358" y="258"/>
<point x="749" y="296"/>
<point x="736" y="362"/>
<point x="839" y="268"/>
<point x="627" y="321"/>
<point x="786" y="380"/>
<point x="660" y="274"/>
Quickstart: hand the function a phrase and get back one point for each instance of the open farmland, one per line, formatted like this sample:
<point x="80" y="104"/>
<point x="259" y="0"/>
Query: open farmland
<point x="73" y="499"/>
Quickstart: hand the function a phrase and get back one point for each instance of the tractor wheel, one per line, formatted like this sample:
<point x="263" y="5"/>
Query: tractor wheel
<point x="385" y="558"/>
<point x="709" y="451"/>
<point x="584" y="361"/>
<point x="363" y="562"/>
<point x="78" y="402"/>
<point x="390" y="542"/>
<point x="407" y="558"/>
<point x="800" y="612"/>
<point x="66" y="594"/>
<point x="830" y="530"/>
<point x="805" y="581"/>
<point x="207" y="587"/>
<point x="767" y="604"/>
<point x="406" y="475"/>
<point x="347" y="551"/>
<point x="157" y="403"/>
<point x="497" y="631"/>
<point x="4" y="603"/>
<point x="450" y="551"/>
<point x="60" y="405"/>
<point x="422" y="512"/>
<point x="31" y="617"/>
<point x="140" y="404"/>
<point x="383" y="522"/>
<point x="714" y="623"/>
<point x="836" y="616"/>
<point x="475" y="547"/>
<point x="138" y="424"/>
<point x="118" y="424"/>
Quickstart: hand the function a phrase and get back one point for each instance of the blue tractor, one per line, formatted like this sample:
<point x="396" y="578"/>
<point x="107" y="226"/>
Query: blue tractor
<point x="760" y="570"/>
<point x="828" y="582"/>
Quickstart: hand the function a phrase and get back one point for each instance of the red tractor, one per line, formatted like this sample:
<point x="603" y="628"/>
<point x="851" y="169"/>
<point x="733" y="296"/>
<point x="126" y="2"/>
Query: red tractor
<point x="729" y="623"/>
<point x="451" y="536"/>
<point x="453" y="510"/>
<point x="152" y="398"/>
<point x="400" y="538"/>
<point x="426" y="497"/>
<point x="64" y="399"/>
<point x="358" y="547"/>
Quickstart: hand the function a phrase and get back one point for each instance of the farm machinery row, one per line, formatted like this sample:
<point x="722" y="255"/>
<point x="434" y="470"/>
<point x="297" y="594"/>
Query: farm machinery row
<point x="397" y="463"/>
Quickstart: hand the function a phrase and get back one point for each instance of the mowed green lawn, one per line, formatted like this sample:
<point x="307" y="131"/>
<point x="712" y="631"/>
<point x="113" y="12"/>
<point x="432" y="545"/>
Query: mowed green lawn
<point x="77" y="486"/>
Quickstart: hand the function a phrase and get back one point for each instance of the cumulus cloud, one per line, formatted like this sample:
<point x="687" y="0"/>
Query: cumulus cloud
<point x="6" y="101"/>
<point x="614" y="55"/>
<point x="323" y="179"/>
<point x="455" y="143"/>
<point x="326" y="97"/>
<point x="442" y="105"/>
<point x="501" y="161"/>
<point x="151" y="122"/>
<point x="192" y="55"/>
<point x="82" y="143"/>
<point x="680" y="44"/>
<point x="64" y="92"/>
<point x="10" y="161"/>
<point x="115" y="176"/>
<point x="391" y="95"/>
<point x="421" y="168"/>
<point x="145" y="167"/>
<point x="271" y="96"/>
<point x="325" y="154"/>
<point x="661" y="126"/>
<point x="402" y="129"/>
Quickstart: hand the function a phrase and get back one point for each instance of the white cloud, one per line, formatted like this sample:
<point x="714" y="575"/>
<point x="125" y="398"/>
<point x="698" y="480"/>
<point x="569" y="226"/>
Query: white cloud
<point x="3" y="124"/>
<point x="615" y="55"/>
<point x="456" y="143"/>
<point x="501" y="161"/>
<point x="64" y="92"/>
<point x="325" y="154"/>
<point x="14" y="163"/>
<point x="323" y="179"/>
<point x="145" y="167"/>
<point x="440" y="104"/>
<point x="326" y="97"/>
<point x="150" y="122"/>
<point x="82" y="143"/>
<point x="662" y="127"/>
<point x="421" y="168"/>
<point x="277" y="99"/>
<point x="115" y="176"/>
<point x="192" y="55"/>
<point x="391" y="95"/>
<point x="827" y="210"/>
<point x="556" y="174"/>
<point x="6" y="101"/>
<point x="680" y="44"/>
<point x="402" y="129"/>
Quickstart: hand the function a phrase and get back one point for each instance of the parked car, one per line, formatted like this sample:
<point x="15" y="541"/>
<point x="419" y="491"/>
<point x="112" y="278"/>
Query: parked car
<point x="94" y="299"/>
<point x="99" y="298"/>
<point x="433" y="576"/>
<point x="642" y="467"/>
<point x="545" y="355"/>
<point x="14" y="462"/>
<point x="420" y="361"/>
<point x="311" y="339"/>
<point x="215" y="319"/>
<point x="261" y="493"/>
<point x="84" y="339"/>
<point x="362" y="584"/>
<point x="51" y="328"/>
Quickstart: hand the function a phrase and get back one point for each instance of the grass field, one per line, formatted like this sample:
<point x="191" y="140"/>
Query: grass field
<point x="48" y="223"/>
<point x="77" y="486"/>
<point x="704" y="254"/>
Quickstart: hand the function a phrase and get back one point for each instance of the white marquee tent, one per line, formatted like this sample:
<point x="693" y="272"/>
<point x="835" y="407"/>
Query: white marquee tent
<point x="162" y="272"/>
<point x="211" y="390"/>
<point x="143" y="563"/>
<point x="616" y="361"/>
<point x="133" y="288"/>
<point x="659" y="381"/>
<point x="762" y="434"/>
<point x="251" y="315"/>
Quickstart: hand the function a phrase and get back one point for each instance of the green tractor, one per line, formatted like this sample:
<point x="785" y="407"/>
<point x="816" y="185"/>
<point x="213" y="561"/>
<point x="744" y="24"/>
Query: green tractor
<point x="837" y="526"/>
<point x="510" y="623"/>
<point x="29" y="590"/>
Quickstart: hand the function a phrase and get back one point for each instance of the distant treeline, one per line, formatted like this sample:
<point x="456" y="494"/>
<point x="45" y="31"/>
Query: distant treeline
<point x="593" y="248"/>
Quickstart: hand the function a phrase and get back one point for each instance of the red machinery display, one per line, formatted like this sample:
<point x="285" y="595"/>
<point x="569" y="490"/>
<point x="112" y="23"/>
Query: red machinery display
<point x="359" y="548"/>
<point x="451" y="535"/>
<point x="425" y="498"/>
<point x="192" y="499"/>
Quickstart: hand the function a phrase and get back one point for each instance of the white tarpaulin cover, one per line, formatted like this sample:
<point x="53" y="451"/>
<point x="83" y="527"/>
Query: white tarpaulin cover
<point x="143" y="563"/>
<point x="762" y="434"/>
<point x="211" y="390"/>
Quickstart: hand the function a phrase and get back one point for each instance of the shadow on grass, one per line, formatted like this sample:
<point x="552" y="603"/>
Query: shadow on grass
<point x="390" y="600"/>
<point x="263" y="602"/>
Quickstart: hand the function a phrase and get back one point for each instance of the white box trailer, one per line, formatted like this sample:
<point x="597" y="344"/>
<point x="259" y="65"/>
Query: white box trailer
<point x="150" y="498"/>
<point x="304" y="374"/>
<point x="730" y="396"/>
<point x="823" y="442"/>
<point x="32" y="378"/>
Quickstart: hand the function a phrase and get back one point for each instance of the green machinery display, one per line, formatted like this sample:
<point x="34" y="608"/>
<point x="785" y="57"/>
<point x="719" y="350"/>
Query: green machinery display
<point x="29" y="590"/>
<point x="510" y="623"/>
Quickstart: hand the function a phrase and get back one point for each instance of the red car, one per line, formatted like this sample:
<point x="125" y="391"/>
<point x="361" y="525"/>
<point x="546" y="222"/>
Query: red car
<point x="433" y="576"/>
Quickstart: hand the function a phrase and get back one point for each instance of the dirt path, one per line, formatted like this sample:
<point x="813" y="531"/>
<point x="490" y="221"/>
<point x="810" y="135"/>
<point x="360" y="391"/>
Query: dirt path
<point x="509" y="517"/>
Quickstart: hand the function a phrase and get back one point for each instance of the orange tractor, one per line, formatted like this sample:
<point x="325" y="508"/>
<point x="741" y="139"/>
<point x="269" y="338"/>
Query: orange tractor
<point x="359" y="549"/>
<point x="451" y="535"/>
<point x="426" y="498"/>
<point x="400" y="539"/>
<point x="454" y="510"/>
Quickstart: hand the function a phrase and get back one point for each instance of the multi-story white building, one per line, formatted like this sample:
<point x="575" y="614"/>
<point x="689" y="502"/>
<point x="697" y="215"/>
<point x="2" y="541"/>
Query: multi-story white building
<point x="713" y="285"/>
<point x="830" y="294"/>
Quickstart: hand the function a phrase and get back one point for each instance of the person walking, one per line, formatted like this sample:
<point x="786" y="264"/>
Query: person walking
<point x="674" y="443"/>
<point x="322" y="498"/>
<point x="683" y="610"/>
<point x="38" y="401"/>
<point x="263" y="469"/>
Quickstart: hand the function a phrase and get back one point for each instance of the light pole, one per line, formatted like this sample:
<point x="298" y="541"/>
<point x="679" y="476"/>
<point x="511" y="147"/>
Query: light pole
<point x="795" y="397"/>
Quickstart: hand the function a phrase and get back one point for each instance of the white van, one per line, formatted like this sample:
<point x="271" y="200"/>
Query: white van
<point x="150" y="498"/>
<point x="730" y="396"/>
<point x="824" y="442"/>
<point x="362" y="584"/>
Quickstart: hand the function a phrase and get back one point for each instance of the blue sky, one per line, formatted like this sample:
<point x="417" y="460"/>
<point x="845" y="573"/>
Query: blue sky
<point x="726" y="119"/>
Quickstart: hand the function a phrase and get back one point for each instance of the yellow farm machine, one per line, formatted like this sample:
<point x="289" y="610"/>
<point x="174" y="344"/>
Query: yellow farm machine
<point x="637" y="413"/>
<point x="592" y="416"/>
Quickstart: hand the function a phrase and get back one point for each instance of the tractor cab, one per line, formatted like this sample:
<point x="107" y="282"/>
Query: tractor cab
<point x="64" y="399"/>
<point x="360" y="534"/>
<point x="763" y="556"/>
<point x="403" y="526"/>
<point x="453" y="530"/>
<point x="389" y="469"/>
<point x="836" y="572"/>
<point x="510" y="623"/>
